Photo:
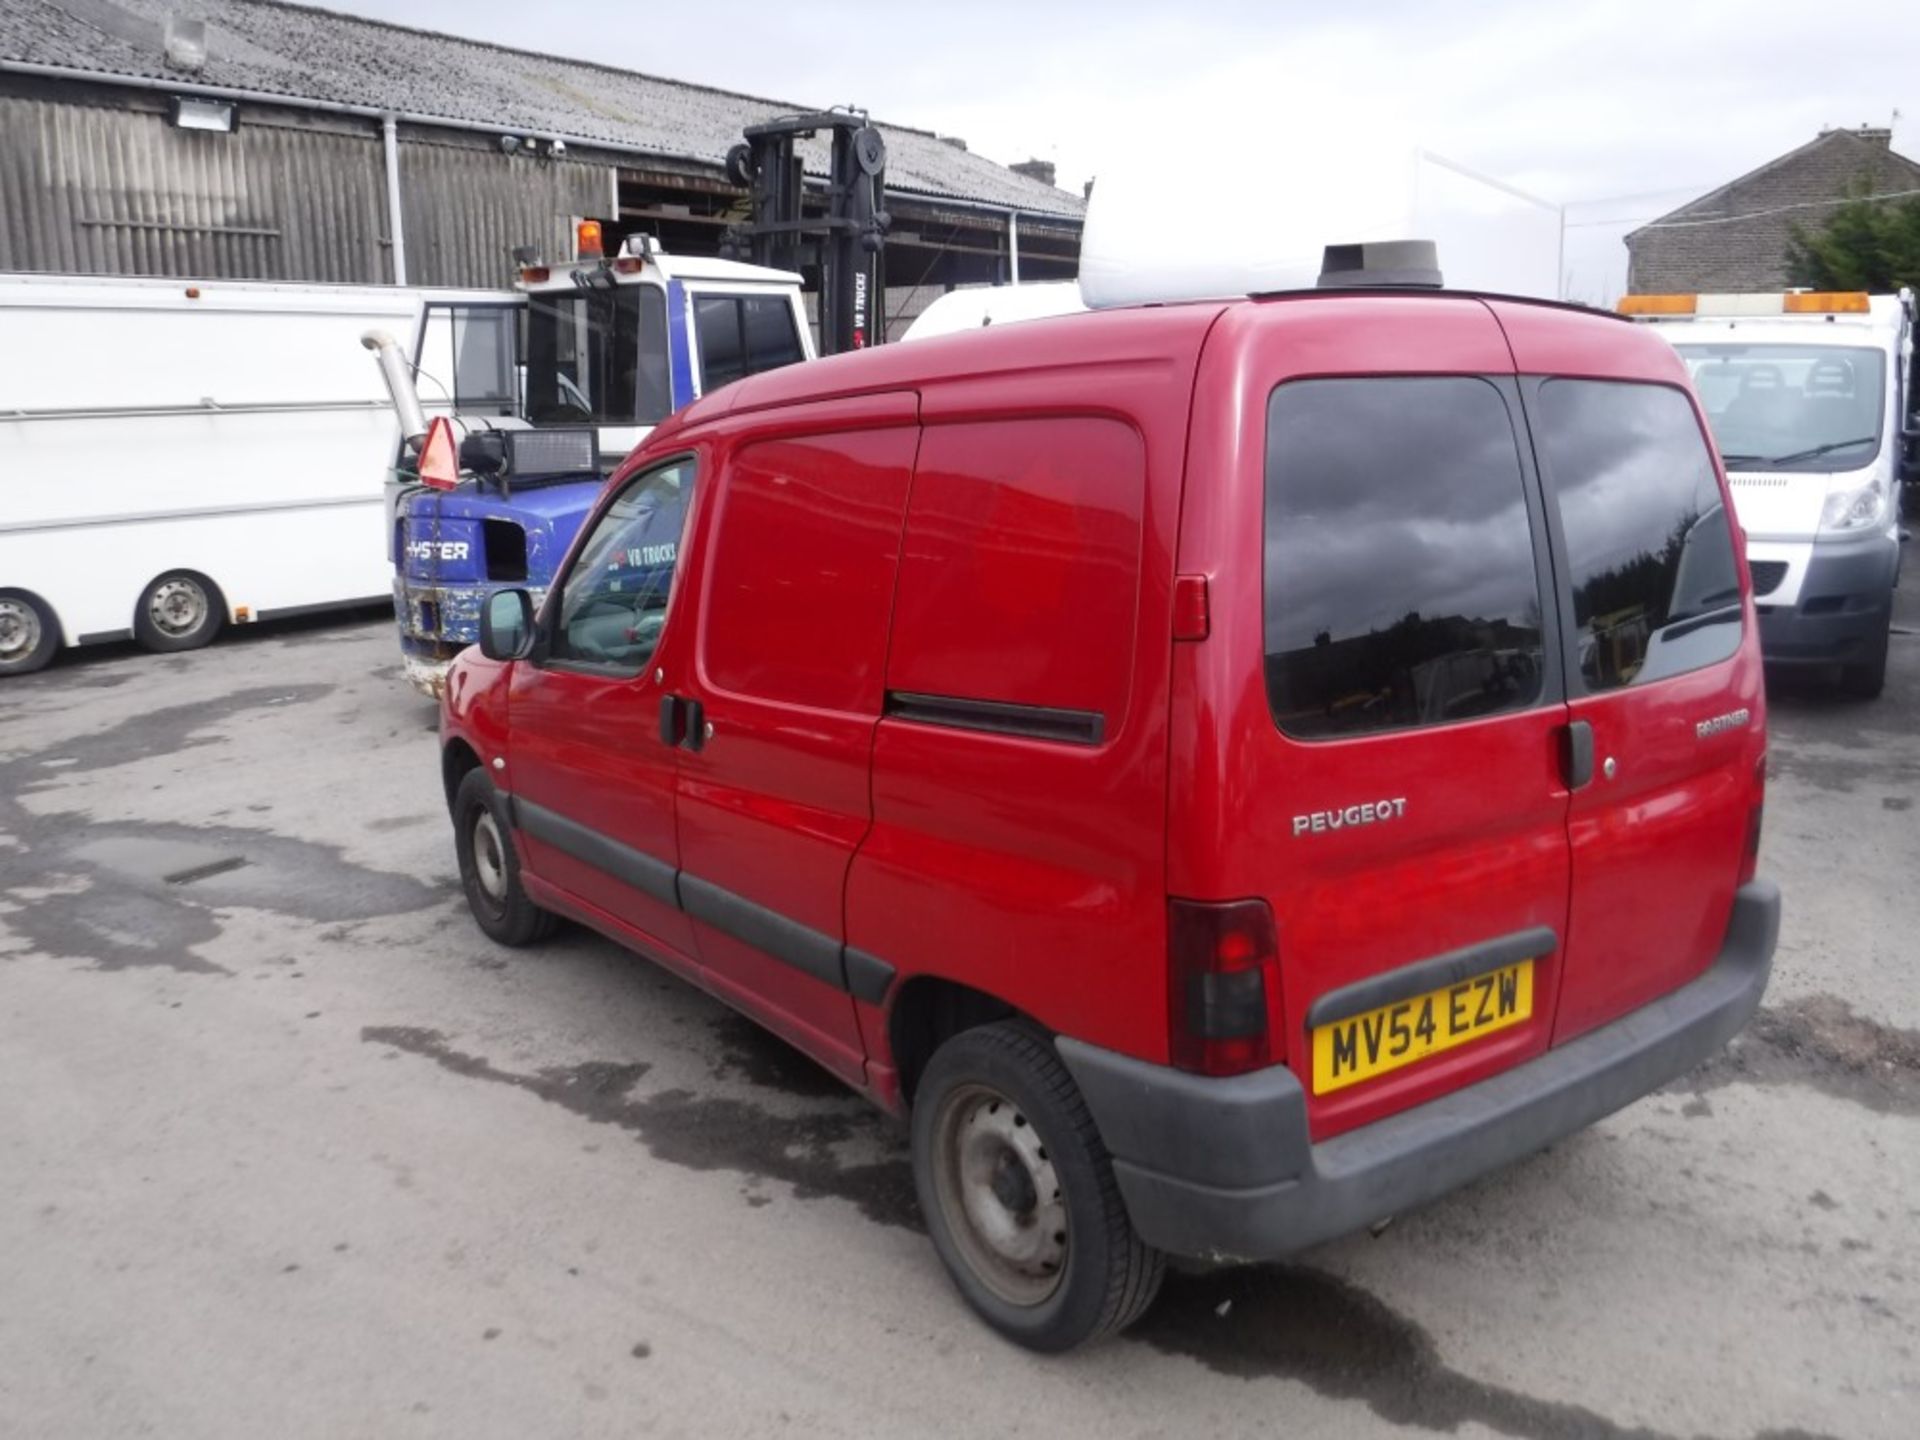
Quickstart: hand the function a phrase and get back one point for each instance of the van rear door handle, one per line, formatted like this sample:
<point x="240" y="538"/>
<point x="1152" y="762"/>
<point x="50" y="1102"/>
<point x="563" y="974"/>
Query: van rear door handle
<point x="1576" y="755"/>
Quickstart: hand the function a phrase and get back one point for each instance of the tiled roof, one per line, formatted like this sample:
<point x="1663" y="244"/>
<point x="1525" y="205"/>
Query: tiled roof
<point x="318" y="55"/>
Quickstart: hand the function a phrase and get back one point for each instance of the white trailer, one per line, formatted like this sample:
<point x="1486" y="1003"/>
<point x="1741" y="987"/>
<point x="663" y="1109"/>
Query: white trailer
<point x="177" y="455"/>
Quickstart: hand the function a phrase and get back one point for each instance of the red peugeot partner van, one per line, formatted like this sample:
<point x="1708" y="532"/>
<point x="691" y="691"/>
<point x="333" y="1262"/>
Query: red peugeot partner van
<point x="1229" y="772"/>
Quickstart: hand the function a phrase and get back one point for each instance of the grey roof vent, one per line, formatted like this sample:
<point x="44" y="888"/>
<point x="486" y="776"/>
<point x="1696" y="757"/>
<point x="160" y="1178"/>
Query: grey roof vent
<point x="186" y="43"/>
<point x="1387" y="264"/>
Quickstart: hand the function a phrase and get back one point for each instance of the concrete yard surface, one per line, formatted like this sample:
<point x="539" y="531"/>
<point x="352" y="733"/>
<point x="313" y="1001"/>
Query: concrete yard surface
<point x="288" y="1149"/>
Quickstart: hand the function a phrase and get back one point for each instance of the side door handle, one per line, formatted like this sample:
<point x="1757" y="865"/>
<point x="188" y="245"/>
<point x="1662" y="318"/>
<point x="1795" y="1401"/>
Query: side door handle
<point x="1576" y="755"/>
<point x="682" y="722"/>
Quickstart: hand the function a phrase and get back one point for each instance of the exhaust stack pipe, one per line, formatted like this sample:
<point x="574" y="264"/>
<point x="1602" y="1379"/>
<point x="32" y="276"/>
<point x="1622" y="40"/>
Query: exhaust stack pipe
<point x="398" y="374"/>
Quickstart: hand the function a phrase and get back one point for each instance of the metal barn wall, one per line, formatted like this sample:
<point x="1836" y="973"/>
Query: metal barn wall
<point x="118" y="190"/>
<point x="464" y="206"/>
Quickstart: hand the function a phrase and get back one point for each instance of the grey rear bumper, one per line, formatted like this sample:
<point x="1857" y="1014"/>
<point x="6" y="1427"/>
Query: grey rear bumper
<point x="1224" y="1169"/>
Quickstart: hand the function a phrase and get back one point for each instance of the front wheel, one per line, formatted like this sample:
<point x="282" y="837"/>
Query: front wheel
<point x="490" y="868"/>
<point x="28" y="633"/>
<point x="1866" y="680"/>
<point x="1019" y="1195"/>
<point x="179" y="611"/>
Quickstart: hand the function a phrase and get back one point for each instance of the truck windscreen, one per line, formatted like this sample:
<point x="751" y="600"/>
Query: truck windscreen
<point x="598" y="356"/>
<point x="1791" y="407"/>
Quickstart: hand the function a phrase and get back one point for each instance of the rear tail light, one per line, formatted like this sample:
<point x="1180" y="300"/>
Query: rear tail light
<point x="1750" y="861"/>
<point x="1223" y="986"/>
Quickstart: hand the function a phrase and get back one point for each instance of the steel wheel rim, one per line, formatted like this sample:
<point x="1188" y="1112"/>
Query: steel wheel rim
<point x="177" y="607"/>
<point x="489" y="859"/>
<point x="1001" y="1196"/>
<point x="19" y="629"/>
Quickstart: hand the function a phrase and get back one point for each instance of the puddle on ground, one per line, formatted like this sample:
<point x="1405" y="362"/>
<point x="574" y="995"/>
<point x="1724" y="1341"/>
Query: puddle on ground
<point x="754" y="1054"/>
<point x="1291" y="1322"/>
<point x="131" y="893"/>
<point x="1820" y="1043"/>
<point x="710" y="1133"/>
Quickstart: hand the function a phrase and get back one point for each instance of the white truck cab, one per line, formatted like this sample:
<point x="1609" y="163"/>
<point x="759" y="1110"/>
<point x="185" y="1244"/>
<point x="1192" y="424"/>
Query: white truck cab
<point x="620" y="342"/>
<point x="1810" y="397"/>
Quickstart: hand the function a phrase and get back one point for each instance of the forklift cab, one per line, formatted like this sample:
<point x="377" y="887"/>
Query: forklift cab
<point x="622" y="342"/>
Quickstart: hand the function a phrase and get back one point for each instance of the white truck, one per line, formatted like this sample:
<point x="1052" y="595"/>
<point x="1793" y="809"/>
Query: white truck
<point x="177" y="455"/>
<point x="1811" y="400"/>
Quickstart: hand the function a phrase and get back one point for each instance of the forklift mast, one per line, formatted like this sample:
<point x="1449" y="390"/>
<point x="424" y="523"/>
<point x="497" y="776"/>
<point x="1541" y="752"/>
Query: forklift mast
<point x="846" y="246"/>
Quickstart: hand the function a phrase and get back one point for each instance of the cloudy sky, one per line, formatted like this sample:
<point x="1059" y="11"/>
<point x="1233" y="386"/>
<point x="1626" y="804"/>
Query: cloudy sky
<point x="1620" y="109"/>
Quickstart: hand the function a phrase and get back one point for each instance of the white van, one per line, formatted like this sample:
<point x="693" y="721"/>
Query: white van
<point x="176" y="454"/>
<point x="1810" y="396"/>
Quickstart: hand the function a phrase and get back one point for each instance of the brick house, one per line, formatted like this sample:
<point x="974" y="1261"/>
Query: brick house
<point x="1735" y="238"/>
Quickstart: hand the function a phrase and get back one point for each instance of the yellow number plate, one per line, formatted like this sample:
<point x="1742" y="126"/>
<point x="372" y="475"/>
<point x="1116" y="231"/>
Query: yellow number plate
<point x="1363" y="1046"/>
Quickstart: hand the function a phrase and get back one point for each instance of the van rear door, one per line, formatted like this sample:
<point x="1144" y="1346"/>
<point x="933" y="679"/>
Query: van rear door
<point x="1371" y="736"/>
<point x="1664" y="696"/>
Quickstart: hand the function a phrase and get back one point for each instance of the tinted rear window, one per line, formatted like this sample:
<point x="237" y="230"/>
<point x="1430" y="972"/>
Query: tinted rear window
<point x="1650" y="558"/>
<point x="1401" y="588"/>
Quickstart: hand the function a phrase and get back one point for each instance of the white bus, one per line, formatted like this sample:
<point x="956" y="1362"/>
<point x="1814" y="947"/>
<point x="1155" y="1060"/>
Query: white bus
<point x="178" y="455"/>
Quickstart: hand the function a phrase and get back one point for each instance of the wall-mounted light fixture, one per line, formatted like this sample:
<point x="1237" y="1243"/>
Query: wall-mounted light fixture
<point x="192" y="112"/>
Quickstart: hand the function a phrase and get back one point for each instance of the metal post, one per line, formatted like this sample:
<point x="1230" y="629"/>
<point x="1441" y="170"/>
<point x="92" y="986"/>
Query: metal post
<point x="390" y="136"/>
<point x="1013" y="244"/>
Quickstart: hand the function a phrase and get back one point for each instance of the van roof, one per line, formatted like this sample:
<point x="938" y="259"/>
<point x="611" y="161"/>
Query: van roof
<point x="1142" y="332"/>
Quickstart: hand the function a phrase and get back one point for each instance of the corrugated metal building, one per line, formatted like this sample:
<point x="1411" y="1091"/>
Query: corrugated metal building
<point x="341" y="125"/>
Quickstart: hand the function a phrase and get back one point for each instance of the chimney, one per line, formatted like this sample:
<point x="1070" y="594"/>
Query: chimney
<point x="1876" y="135"/>
<point x="954" y="140"/>
<point x="1041" y="170"/>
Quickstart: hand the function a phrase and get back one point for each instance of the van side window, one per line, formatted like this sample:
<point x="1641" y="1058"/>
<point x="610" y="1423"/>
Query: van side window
<point x="1401" y="585"/>
<point x="1020" y="581"/>
<point x="800" y="585"/>
<point x="613" y="603"/>
<point x="743" y="335"/>
<point x="1656" y="591"/>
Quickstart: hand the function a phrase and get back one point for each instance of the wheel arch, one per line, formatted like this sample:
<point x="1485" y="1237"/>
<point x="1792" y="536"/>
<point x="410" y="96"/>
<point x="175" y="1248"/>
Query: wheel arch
<point x="457" y="761"/>
<point x="929" y="1010"/>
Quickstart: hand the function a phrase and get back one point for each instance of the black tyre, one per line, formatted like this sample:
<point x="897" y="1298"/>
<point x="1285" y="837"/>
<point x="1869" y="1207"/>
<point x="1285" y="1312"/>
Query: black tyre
<point x="28" y="633"/>
<point x="1867" y="679"/>
<point x="181" y="610"/>
<point x="1019" y="1195"/>
<point x="490" y="867"/>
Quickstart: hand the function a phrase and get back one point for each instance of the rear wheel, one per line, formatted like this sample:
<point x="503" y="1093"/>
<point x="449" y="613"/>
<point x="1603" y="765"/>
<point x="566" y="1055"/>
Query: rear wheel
<point x="181" y="610"/>
<point x="490" y="867"/>
<point x="28" y="634"/>
<point x="1019" y="1194"/>
<point x="1866" y="680"/>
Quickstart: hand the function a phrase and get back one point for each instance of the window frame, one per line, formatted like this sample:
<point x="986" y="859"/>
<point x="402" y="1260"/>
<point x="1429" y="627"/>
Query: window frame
<point x="738" y="299"/>
<point x="1553" y="686"/>
<point x="1534" y="404"/>
<point x="548" y="628"/>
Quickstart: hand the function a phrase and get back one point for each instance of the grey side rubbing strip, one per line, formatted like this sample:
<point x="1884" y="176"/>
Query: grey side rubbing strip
<point x="100" y="637"/>
<point x="999" y="717"/>
<point x="800" y="946"/>
<point x="623" y="862"/>
<point x="868" y="976"/>
<point x="1435" y="973"/>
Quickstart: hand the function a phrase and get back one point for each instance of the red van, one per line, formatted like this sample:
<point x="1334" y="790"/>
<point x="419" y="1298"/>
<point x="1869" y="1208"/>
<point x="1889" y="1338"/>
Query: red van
<point x="1228" y="772"/>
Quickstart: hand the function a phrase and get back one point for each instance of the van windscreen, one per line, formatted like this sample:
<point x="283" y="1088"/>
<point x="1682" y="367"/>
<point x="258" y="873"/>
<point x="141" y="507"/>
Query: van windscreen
<point x="1401" y="588"/>
<point x="1791" y="407"/>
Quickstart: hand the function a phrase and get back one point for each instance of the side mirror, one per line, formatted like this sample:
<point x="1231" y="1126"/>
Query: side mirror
<point x="484" y="452"/>
<point x="506" y="625"/>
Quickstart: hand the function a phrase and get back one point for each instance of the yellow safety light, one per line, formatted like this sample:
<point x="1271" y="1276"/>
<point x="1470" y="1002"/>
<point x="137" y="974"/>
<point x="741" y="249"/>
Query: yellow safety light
<point x="1828" y="302"/>
<point x="1658" y="304"/>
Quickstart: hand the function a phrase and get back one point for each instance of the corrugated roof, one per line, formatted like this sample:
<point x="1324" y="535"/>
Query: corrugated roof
<point x="318" y="55"/>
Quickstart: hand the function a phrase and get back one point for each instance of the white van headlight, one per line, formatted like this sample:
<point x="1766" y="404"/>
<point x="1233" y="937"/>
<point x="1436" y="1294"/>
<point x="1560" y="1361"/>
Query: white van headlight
<point x="1850" y="510"/>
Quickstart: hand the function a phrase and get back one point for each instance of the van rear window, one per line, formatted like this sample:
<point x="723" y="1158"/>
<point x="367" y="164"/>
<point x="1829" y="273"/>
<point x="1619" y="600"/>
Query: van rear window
<point x="1650" y="559"/>
<point x="1401" y="588"/>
